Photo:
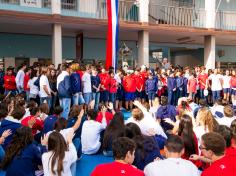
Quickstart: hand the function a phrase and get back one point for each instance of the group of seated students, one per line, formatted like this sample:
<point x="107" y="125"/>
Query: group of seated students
<point x="163" y="140"/>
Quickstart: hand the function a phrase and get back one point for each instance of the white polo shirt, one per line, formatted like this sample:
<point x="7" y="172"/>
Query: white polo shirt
<point x="171" y="167"/>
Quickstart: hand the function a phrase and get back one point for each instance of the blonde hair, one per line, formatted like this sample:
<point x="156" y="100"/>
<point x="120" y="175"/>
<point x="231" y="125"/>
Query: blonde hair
<point x="206" y="119"/>
<point x="74" y="67"/>
<point x="44" y="70"/>
<point x="137" y="114"/>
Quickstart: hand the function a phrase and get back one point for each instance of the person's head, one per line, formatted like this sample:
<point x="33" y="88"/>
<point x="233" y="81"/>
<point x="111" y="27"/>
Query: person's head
<point x="202" y="103"/>
<point x="165" y="60"/>
<point x="33" y="74"/>
<point x="23" y="66"/>
<point x="60" y="124"/>
<point x="212" y="145"/>
<point x="57" y="110"/>
<point x="31" y="104"/>
<point x="226" y="133"/>
<point x="132" y="130"/>
<point x="111" y="73"/>
<point x="44" y="108"/>
<point x="44" y="70"/>
<point x="21" y="138"/>
<point x="228" y="111"/>
<point x="18" y="112"/>
<point x="215" y="71"/>
<point x="88" y="68"/>
<point x="94" y="71"/>
<point x="102" y="107"/>
<point x="123" y="149"/>
<point x="227" y="72"/>
<point x="57" y="145"/>
<point x="150" y="76"/>
<point x="10" y="70"/>
<point x="174" y="146"/>
<point x="206" y="119"/>
<point x="28" y="70"/>
<point x="74" y="67"/>
<point x="137" y="114"/>
<point x="233" y="131"/>
<point x="53" y="72"/>
<point x="233" y="73"/>
<point x="92" y="114"/>
<point x="75" y="111"/>
<point x="34" y="111"/>
<point x="164" y="101"/>
<point x="3" y="112"/>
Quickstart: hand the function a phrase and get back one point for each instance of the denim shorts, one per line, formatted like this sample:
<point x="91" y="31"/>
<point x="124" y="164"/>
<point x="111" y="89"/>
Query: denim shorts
<point x="129" y="96"/>
<point x="233" y="92"/>
<point x="151" y="95"/>
<point x="227" y="90"/>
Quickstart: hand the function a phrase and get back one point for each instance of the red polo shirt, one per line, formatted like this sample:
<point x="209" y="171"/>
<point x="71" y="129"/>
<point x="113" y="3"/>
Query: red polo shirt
<point x="129" y="84"/>
<point x="26" y="80"/>
<point x="112" y="85"/>
<point x="104" y="78"/>
<point x="37" y="126"/>
<point x="116" y="169"/>
<point x="202" y="78"/>
<point x="9" y="82"/>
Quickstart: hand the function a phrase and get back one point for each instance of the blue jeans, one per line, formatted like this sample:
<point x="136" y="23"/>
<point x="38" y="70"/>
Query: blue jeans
<point x="65" y="103"/>
<point x="215" y="95"/>
<point x="47" y="99"/>
<point x="201" y="93"/>
<point x="27" y="92"/>
<point x="171" y="97"/>
<point x="96" y="98"/>
<point x="13" y="92"/>
<point x="87" y="98"/>
<point x="75" y="99"/>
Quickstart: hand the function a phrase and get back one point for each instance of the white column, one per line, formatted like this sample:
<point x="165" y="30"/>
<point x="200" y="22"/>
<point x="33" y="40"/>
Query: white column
<point x="33" y="60"/>
<point x="143" y="10"/>
<point x="57" y="44"/>
<point x="56" y="6"/>
<point x="210" y="8"/>
<point x="9" y="61"/>
<point x="210" y="52"/>
<point x="143" y="48"/>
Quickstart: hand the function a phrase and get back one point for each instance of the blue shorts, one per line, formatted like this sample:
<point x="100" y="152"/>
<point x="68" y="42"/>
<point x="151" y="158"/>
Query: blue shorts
<point x="129" y="96"/>
<point x="141" y="95"/>
<point x="112" y="97"/>
<point x="233" y="92"/>
<point x="151" y="95"/>
<point x="227" y="90"/>
<point x="120" y="94"/>
<point x="104" y="96"/>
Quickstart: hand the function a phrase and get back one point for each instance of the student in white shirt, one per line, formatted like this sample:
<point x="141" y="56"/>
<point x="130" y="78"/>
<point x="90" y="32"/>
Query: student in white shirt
<point x="45" y="91"/>
<point x="20" y="78"/>
<point x="91" y="130"/>
<point x="148" y="125"/>
<point x="86" y="82"/>
<point x="60" y="156"/>
<point x="226" y="85"/>
<point x="34" y="90"/>
<point x="216" y="84"/>
<point x="228" y="116"/>
<point x="174" y="164"/>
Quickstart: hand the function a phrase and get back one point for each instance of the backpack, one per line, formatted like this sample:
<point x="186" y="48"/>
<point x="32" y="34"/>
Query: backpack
<point x="37" y="82"/>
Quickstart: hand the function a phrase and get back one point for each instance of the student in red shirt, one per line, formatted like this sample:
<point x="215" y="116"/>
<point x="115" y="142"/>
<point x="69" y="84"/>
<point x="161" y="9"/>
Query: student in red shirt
<point x="34" y="116"/>
<point x="26" y="80"/>
<point x="202" y="79"/>
<point x="140" y="84"/>
<point x="129" y="84"/>
<point x="192" y="86"/>
<point x="233" y="85"/>
<point x="213" y="147"/>
<point x="104" y="93"/>
<point x="123" y="152"/>
<point x="9" y="81"/>
<point x="113" y="85"/>
<point x="103" y="112"/>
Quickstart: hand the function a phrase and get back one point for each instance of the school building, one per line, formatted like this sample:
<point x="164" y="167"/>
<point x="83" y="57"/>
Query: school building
<point x="187" y="32"/>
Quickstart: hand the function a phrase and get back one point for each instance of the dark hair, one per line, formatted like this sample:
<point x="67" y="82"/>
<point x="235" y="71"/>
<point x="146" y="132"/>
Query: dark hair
<point x="57" y="144"/>
<point x="31" y="104"/>
<point x="58" y="110"/>
<point x="214" y="142"/>
<point x="132" y="130"/>
<point x="121" y="147"/>
<point x="18" y="112"/>
<point x="164" y="101"/>
<point x="115" y="129"/>
<point x="65" y="66"/>
<point x="74" y="111"/>
<point x="174" y="144"/>
<point x="92" y="114"/>
<point x="203" y="103"/>
<point x="233" y="128"/>
<point x="186" y="133"/>
<point x="3" y="112"/>
<point x="22" y="138"/>
<point x="60" y="124"/>
<point x="33" y="74"/>
<point x="226" y="133"/>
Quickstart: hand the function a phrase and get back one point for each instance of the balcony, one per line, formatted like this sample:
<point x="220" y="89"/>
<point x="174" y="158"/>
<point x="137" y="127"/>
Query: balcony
<point x="226" y="20"/>
<point x="176" y="16"/>
<point x="128" y="9"/>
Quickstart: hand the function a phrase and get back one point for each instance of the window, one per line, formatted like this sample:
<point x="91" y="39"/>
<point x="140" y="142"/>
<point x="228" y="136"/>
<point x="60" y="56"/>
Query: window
<point x="157" y="55"/>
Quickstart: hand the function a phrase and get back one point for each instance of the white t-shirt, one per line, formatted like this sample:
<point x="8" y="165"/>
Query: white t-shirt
<point x="86" y="79"/>
<point x="90" y="136"/>
<point x="33" y="89"/>
<point x="69" y="159"/>
<point x="225" y="121"/>
<point x="215" y="82"/>
<point x="20" y="78"/>
<point x="226" y="81"/>
<point x="147" y="124"/>
<point x="171" y="167"/>
<point x="199" y="131"/>
<point x="44" y="82"/>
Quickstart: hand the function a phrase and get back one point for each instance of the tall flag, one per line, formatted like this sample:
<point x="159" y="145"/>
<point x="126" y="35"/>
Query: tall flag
<point x="112" y="34"/>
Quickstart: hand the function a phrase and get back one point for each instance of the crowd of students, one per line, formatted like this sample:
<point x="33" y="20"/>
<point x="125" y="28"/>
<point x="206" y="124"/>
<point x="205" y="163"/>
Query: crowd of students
<point x="182" y="120"/>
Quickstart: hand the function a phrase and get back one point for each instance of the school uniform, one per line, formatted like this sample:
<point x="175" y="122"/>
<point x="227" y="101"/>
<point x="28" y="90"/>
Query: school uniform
<point x="129" y="84"/>
<point x="151" y="88"/>
<point x="171" y="85"/>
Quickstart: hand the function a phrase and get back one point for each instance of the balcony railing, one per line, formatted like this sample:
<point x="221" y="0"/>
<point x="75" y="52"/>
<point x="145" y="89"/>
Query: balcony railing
<point x="226" y="20"/>
<point x="176" y="16"/>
